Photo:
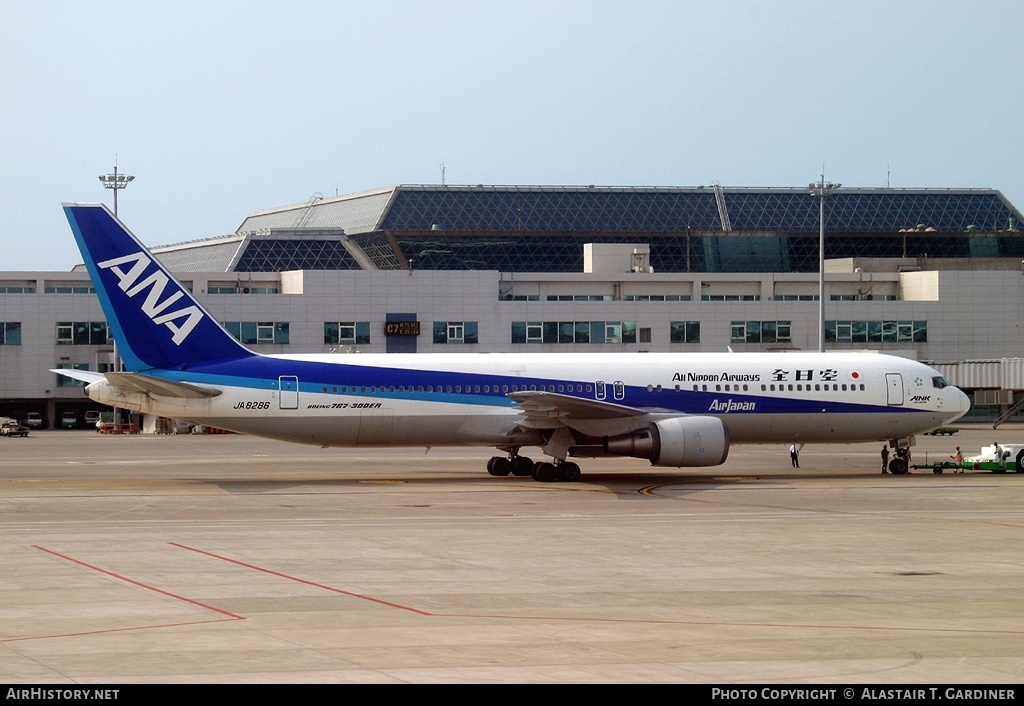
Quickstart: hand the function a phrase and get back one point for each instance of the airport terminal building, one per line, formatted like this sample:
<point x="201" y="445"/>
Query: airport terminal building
<point x="932" y="274"/>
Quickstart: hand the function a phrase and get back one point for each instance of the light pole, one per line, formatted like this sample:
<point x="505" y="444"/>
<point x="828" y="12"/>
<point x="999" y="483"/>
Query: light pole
<point x="116" y="182"/>
<point x="821" y="190"/>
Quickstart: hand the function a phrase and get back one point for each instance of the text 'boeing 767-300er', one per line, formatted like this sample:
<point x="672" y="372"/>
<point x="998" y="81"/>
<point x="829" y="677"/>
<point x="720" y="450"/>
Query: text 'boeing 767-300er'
<point x="675" y="409"/>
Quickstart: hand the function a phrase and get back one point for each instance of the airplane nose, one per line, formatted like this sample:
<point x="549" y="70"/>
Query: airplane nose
<point x="962" y="403"/>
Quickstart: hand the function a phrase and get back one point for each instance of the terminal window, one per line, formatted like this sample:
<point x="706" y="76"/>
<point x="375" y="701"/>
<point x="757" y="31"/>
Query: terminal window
<point x="456" y="332"/>
<point x="761" y="332"/>
<point x="10" y="333"/>
<point x="550" y="332"/>
<point x="684" y="332"/>
<point x="346" y="332"/>
<point x="259" y="332"/>
<point x="876" y="331"/>
<point x="83" y="333"/>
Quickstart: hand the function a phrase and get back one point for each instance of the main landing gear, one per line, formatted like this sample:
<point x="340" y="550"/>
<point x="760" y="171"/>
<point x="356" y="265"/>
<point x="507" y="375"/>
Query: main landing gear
<point x="542" y="471"/>
<point x="899" y="466"/>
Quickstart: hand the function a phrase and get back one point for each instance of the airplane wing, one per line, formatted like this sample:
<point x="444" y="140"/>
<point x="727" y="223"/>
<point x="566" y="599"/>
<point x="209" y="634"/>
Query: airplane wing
<point x="549" y="410"/>
<point x="138" y="382"/>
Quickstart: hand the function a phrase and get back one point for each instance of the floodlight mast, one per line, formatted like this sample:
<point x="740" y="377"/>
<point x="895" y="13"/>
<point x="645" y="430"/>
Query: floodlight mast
<point x="821" y="190"/>
<point x="116" y="182"/>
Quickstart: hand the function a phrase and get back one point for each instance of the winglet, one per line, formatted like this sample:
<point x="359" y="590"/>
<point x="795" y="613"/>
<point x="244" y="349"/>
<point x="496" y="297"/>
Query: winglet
<point x="155" y="321"/>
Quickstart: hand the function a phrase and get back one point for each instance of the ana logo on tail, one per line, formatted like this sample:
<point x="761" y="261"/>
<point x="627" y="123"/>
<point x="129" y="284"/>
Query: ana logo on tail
<point x="130" y="284"/>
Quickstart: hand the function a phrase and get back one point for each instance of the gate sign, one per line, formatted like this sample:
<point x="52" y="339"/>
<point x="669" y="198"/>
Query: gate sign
<point x="402" y="328"/>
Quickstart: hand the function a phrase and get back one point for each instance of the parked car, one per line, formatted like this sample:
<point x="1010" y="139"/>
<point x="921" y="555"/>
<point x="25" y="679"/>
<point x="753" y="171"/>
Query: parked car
<point x="12" y="428"/>
<point x="92" y="418"/>
<point x="34" y="420"/>
<point x="69" y="420"/>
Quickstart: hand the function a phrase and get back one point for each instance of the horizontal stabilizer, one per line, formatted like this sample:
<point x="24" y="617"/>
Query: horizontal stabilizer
<point x="86" y="376"/>
<point x="160" y="387"/>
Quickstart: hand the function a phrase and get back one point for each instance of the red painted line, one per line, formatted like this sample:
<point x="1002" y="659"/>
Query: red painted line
<point x="724" y="624"/>
<point x="639" y="621"/>
<point x="307" y="582"/>
<point x="111" y="630"/>
<point x="133" y="582"/>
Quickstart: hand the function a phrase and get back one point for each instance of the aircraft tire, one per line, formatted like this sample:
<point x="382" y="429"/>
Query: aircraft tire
<point x="568" y="472"/>
<point x="898" y="467"/>
<point x="499" y="466"/>
<point x="544" y="472"/>
<point x="522" y="466"/>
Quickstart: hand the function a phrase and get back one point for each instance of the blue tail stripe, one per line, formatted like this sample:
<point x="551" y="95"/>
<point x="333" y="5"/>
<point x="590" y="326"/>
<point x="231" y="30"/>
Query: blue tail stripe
<point x="156" y="322"/>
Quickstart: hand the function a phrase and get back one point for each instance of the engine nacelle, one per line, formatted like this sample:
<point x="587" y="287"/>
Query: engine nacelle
<point x="677" y="441"/>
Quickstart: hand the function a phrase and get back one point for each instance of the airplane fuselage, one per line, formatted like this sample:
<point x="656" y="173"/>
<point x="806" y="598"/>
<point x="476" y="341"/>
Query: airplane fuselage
<point x="462" y="399"/>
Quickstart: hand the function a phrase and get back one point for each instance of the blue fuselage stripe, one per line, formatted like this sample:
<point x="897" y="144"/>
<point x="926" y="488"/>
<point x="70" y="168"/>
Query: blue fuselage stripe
<point x="258" y="373"/>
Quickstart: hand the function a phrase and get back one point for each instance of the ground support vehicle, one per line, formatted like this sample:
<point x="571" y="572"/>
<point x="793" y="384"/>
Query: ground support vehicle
<point x="1010" y="457"/>
<point x="12" y="428"/>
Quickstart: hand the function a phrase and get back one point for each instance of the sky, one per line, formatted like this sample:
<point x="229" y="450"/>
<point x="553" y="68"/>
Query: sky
<point x="220" y="108"/>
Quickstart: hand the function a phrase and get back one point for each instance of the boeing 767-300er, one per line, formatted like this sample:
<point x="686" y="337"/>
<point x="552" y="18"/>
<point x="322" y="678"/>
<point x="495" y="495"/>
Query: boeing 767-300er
<point x="674" y="409"/>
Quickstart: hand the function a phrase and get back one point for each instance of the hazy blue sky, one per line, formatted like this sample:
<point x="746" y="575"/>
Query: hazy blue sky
<point x="221" y="108"/>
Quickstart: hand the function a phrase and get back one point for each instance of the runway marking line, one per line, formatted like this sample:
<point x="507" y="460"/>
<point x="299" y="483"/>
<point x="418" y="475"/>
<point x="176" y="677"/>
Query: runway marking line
<point x="154" y="589"/>
<point x="296" y="579"/>
<point x="229" y="616"/>
<point x="646" y="621"/>
<point x="107" y="631"/>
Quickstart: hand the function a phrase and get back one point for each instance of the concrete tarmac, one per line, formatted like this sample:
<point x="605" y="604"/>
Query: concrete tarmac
<point x="228" y="559"/>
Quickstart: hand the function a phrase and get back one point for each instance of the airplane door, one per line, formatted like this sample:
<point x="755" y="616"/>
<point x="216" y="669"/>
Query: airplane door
<point x="599" y="390"/>
<point x="894" y="388"/>
<point x="288" y="387"/>
<point x="619" y="389"/>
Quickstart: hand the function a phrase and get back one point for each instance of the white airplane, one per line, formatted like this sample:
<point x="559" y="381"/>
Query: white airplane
<point x="675" y="409"/>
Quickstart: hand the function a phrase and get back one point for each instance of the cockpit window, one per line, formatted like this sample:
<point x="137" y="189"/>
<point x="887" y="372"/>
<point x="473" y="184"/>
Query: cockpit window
<point x="939" y="382"/>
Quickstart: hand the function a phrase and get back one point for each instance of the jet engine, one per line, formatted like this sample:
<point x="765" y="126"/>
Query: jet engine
<point x="676" y="441"/>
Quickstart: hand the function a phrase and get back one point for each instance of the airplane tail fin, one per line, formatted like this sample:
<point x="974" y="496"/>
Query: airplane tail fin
<point x="155" y="321"/>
